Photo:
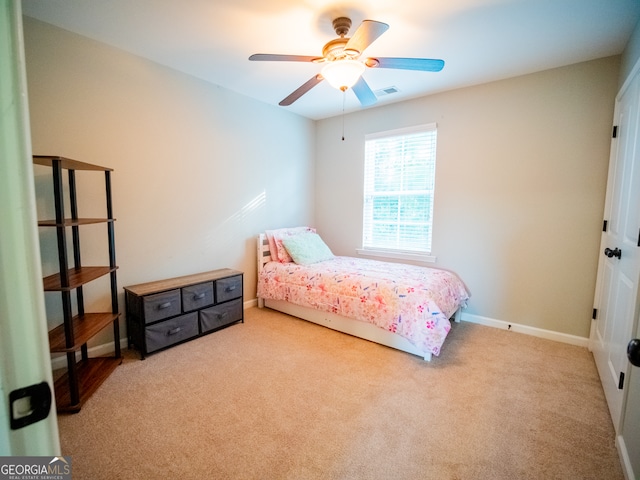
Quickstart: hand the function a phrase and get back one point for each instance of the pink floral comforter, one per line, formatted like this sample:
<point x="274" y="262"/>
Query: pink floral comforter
<point x="414" y="302"/>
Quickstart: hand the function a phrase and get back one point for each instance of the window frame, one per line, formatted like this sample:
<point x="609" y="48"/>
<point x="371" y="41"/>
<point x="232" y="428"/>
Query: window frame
<point x="420" y="256"/>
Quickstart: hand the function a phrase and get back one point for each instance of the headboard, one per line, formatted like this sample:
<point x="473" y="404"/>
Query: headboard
<point x="264" y="254"/>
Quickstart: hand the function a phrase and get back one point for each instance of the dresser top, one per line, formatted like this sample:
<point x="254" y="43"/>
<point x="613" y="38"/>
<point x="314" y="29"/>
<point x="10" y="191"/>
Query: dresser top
<point x="143" y="289"/>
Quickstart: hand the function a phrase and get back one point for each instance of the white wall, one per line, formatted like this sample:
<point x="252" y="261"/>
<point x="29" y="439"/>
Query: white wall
<point x="520" y="185"/>
<point x="199" y="171"/>
<point x="630" y="55"/>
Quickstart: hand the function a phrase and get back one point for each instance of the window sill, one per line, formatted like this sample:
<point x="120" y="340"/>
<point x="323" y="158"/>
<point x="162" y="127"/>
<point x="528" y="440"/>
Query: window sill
<point x="416" y="257"/>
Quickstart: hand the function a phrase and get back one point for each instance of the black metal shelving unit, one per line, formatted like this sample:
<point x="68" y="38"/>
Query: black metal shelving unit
<point x="84" y="376"/>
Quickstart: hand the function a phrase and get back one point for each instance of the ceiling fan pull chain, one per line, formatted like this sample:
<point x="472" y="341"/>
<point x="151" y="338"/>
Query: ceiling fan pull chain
<point x="343" y="96"/>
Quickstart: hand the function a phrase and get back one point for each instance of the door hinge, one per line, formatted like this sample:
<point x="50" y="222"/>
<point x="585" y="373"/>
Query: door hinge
<point x="621" y="381"/>
<point x="604" y="225"/>
<point x="595" y="314"/>
<point x="615" y="131"/>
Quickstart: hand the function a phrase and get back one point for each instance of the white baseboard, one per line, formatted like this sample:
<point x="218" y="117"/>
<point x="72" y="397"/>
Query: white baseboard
<point x="60" y="360"/>
<point x="624" y="458"/>
<point x="527" y="330"/>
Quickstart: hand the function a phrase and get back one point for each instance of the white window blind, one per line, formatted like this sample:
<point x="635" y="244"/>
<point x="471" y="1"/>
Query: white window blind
<point x="399" y="181"/>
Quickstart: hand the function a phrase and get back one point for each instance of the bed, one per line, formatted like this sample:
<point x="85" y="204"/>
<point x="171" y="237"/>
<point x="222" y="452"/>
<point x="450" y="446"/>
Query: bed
<point x="405" y="307"/>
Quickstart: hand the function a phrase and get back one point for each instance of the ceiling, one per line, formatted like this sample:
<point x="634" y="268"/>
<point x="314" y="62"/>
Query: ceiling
<point x="480" y="40"/>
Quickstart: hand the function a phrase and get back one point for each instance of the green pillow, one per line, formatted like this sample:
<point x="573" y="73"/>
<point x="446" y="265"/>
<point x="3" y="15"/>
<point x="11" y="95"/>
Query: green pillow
<point x="307" y="248"/>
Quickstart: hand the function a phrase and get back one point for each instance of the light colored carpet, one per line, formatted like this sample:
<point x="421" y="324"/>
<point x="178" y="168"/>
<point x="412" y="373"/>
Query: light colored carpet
<point x="281" y="398"/>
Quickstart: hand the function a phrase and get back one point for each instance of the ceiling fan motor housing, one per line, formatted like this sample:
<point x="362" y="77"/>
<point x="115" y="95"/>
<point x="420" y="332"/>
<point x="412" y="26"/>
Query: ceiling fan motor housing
<point x="342" y="25"/>
<point x="335" y="49"/>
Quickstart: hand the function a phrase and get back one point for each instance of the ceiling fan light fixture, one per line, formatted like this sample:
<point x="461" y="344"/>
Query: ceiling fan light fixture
<point x="343" y="74"/>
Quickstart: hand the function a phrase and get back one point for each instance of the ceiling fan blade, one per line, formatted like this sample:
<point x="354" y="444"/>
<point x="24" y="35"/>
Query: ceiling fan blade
<point x="422" y="64"/>
<point x="364" y="93"/>
<point x="365" y="35"/>
<point x="301" y="90"/>
<point x="269" y="57"/>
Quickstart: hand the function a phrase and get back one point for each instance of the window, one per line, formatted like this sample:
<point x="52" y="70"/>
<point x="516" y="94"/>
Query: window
<point x="399" y="182"/>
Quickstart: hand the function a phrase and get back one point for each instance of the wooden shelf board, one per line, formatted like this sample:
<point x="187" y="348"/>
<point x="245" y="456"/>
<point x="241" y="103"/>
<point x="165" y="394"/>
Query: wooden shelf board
<point x="84" y="328"/>
<point x="91" y="374"/>
<point x="71" y="222"/>
<point x="68" y="163"/>
<point x="77" y="278"/>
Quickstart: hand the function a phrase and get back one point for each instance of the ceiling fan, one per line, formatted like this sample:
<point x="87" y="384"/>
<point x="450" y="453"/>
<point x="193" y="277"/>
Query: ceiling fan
<point x="343" y="67"/>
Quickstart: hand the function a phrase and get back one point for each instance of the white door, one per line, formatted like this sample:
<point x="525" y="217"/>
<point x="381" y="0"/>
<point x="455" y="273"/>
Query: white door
<point x="619" y="266"/>
<point x="630" y="443"/>
<point x="28" y="423"/>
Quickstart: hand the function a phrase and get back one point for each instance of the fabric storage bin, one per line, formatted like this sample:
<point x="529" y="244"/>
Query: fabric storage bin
<point x="228" y="288"/>
<point x="171" y="331"/>
<point x="162" y="305"/>
<point x="197" y="296"/>
<point x="221" y="315"/>
<point x="166" y="312"/>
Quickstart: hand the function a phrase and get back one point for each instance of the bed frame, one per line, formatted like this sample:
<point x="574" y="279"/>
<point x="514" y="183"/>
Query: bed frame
<point x="342" y="324"/>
